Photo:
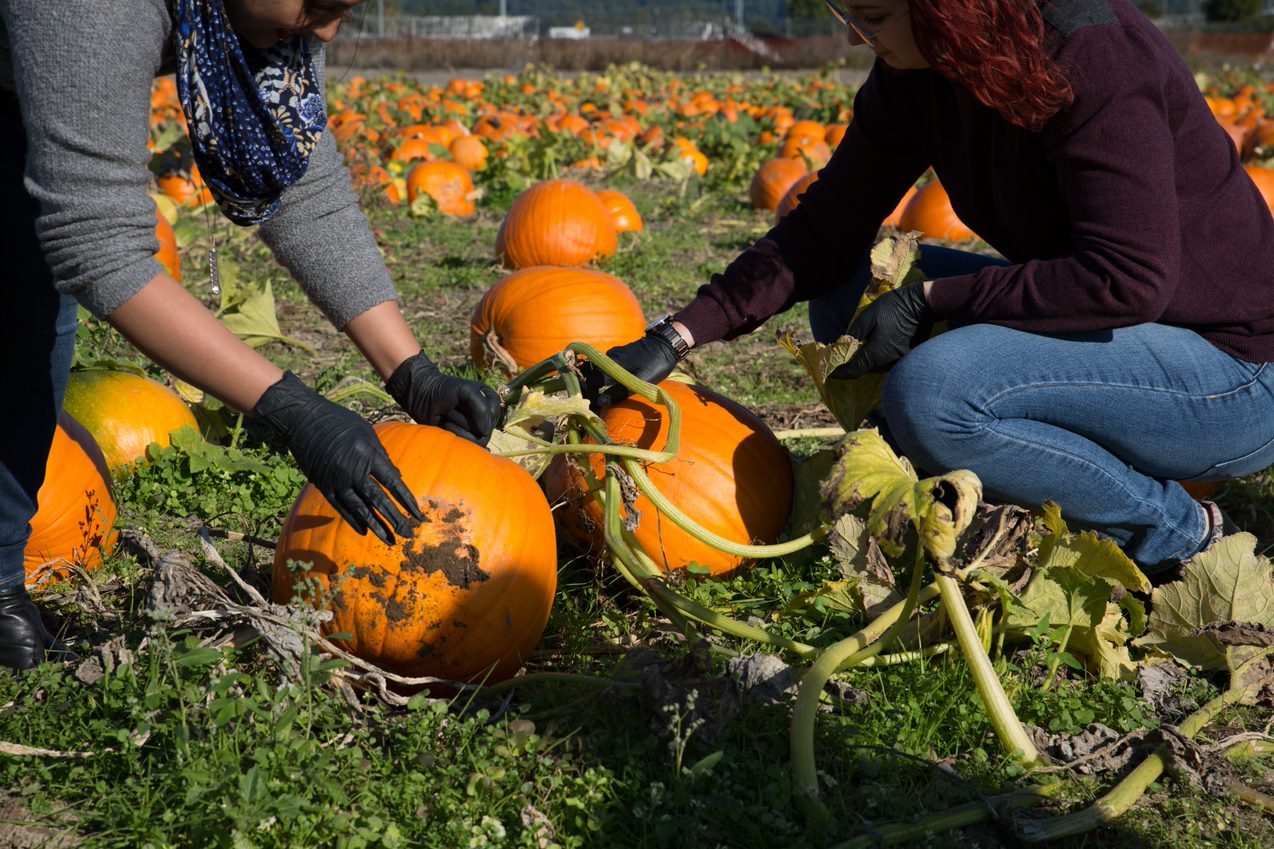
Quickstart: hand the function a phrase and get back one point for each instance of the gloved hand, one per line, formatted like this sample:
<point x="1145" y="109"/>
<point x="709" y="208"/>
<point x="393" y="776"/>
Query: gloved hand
<point x="652" y="358"/>
<point x="889" y="327"/>
<point x="466" y="408"/>
<point x="341" y="455"/>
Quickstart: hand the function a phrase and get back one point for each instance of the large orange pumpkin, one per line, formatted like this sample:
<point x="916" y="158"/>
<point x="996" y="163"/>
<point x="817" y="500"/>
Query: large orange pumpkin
<point x="76" y="515"/>
<point x="534" y="313"/>
<point x="555" y="222"/>
<point x="467" y="596"/>
<point x="731" y="475"/>
<point x="125" y="412"/>
<point x="930" y="212"/>
<point x="446" y="182"/>
<point x="772" y="180"/>
<point x="623" y="213"/>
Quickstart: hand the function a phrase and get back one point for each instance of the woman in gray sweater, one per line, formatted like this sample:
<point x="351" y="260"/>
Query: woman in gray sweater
<point x="77" y="226"/>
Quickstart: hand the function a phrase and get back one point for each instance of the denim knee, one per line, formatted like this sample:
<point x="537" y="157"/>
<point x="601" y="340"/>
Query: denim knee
<point x="927" y="408"/>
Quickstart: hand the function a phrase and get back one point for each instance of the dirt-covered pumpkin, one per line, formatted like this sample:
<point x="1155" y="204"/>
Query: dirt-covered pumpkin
<point x="466" y="597"/>
<point x="125" y="412"/>
<point x="534" y="313"/>
<point x="555" y="222"/>
<point x="75" y="520"/>
<point x="731" y="475"/>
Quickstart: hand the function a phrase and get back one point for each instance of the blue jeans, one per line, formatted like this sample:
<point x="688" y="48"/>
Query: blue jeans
<point x="1103" y="423"/>
<point x="37" y="339"/>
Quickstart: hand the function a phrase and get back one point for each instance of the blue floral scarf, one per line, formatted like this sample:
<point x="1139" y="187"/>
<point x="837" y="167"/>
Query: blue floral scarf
<point x="252" y="132"/>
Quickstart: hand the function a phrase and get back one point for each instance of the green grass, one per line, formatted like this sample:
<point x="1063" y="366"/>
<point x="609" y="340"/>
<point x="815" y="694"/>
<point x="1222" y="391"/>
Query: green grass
<point x="192" y="746"/>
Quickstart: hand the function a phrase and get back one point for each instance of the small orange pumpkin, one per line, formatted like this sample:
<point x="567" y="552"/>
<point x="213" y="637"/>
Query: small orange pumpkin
<point x="731" y="475"/>
<point x="623" y="213"/>
<point x="773" y="179"/>
<point x="167" y="255"/>
<point x="536" y="312"/>
<point x="469" y="152"/>
<point x="446" y="182"/>
<point x="555" y="222"/>
<point x="75" y="521"/>
<point x="467" y="596"/>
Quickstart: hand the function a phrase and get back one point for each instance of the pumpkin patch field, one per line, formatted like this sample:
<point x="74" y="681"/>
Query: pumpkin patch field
<point x="720" y="613"/>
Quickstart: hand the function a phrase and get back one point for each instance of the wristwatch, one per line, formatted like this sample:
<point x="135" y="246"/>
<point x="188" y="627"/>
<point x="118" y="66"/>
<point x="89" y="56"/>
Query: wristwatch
<point x="662" y="327"/>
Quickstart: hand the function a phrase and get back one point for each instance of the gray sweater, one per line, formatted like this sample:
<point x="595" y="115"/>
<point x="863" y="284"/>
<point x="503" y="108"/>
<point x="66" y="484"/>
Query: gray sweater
<point x="83" y="71"/>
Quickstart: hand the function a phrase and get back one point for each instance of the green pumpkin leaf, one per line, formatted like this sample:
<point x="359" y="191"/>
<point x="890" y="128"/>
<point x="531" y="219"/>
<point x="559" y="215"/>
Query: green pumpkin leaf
<point x="1228" y="583"/>
<point x="1096" y="556"/>
<point x="249" y="313"/>
<point x="848" y="400"/>
<point x="893" y="264"/>
<point x="940" y="508"/>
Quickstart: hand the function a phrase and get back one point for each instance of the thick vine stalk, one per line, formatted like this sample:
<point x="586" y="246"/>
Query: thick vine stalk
<point x="850" y="651"/>
<point x="1003" y="718"/>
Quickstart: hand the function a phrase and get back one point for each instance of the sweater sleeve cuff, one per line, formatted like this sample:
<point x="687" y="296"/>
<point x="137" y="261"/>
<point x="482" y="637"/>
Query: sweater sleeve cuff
<point x="950" y="296"/>
<point x="112" y="290"/>
<point x="705" y="320"/>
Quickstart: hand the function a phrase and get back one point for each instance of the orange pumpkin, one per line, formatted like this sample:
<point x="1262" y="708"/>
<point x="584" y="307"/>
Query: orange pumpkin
<point x="167" y="255"/>
<point x="792" y="198"/>
<point x="773" y="179"/>
<point x="76" y="516"/>
<point x="814" y="151"/>
<point x="623" y="214"/>
<point x="125" y="412"/>
<point x="534" y="313"/>
<point x="467" y="596"/>
<point x="469" y="152"/>
<point x="730" y="475"/>
<point x="930" y="212"/>
<point x="555" y="222"/>
<point x="447" y="183"/>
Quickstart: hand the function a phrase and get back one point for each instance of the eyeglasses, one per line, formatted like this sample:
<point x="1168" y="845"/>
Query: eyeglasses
<point x="842" y="15"/>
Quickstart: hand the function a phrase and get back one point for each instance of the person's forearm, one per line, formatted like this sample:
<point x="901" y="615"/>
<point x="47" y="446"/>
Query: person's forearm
<point x="176" y="331"/>
<point x="383" y="336"/>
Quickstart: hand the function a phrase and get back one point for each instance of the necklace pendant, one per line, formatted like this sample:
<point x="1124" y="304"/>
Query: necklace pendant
<point x="214" y="276"/>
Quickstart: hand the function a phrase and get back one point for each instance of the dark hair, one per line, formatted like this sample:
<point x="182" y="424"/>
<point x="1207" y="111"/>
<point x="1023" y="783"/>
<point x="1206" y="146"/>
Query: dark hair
<point x="995" y="50"/>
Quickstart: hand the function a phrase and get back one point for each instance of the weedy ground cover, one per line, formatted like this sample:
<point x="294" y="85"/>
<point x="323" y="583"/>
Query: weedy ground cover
<point x="164" y="736"/>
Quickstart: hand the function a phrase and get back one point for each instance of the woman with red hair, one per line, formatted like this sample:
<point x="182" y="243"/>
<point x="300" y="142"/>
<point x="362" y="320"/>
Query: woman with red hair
<point x="1120" y="345"/>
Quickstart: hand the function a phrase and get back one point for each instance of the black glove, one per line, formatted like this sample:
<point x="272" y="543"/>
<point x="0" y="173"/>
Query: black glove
<point x="466" y="408"/>
<point x="341" y="455"/>
<point x="652" y="358"/>
<point x="889" y="327"/>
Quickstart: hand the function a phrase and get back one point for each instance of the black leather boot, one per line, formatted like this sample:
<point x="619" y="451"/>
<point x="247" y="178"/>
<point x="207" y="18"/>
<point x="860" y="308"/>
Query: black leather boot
<point x="24" y="641"/>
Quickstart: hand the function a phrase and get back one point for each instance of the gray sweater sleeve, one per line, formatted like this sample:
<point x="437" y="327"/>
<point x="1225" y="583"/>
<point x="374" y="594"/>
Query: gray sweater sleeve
<point x="83" y="71"/>
<point x="323" y="239"/>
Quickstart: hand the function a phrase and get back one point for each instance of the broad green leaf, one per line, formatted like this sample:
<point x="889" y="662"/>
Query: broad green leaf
<point x="189" y="393"/>
<point x="251" y="316"/>
<point x="848" y="400"/>
<point x="1097" y="556"/>
<point x="940" y="508"/>
<point x="1067" y="597"/>
<point x="807" y="505"/>
<point x="1227" y="583"/>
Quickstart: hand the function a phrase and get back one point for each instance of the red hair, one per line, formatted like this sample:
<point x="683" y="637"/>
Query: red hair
<point x="995" y="50"/>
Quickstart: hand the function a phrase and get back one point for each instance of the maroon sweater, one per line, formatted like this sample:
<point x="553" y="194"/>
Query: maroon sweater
<point x="1130" y="206"/>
